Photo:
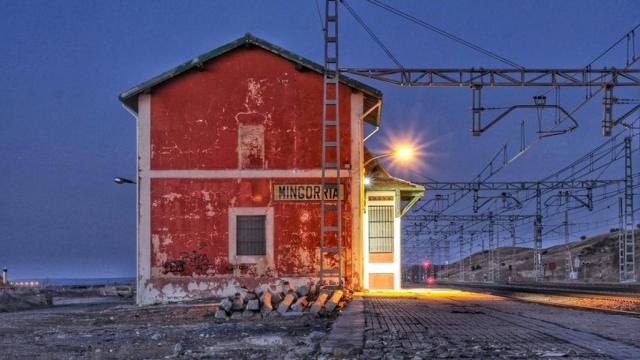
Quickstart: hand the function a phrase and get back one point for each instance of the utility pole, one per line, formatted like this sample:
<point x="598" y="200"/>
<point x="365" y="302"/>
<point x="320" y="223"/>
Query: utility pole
<point x="471" y="240"/>
<point x="621" y="245"/>
<point x="629" y="271"/>
<point x="569" y="264"/>
<point x="447" y="249"/>
<point x="461" y="243"/>
<point x="491" y="264"/>
<point x="512" y="231"/>
<point x="537" y="240"/>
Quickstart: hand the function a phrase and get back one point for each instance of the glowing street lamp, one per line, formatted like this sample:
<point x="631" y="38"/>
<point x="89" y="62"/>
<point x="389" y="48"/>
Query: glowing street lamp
<point x="402" y="153"/>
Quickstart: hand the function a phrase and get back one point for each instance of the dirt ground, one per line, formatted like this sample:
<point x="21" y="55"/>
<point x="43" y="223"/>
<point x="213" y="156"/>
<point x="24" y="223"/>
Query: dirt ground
<point x="112" y="328"/>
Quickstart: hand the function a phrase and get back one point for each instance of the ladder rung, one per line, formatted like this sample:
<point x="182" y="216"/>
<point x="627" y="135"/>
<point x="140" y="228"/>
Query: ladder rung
<point x="332" y="18"/>
<point x="330" y="186"/>
<point x="331" y="165"/>
<point x="330" y="249"/>
<point x="330" y="207"/>
<point x="329" y="228"/>
<point x="330" y="102"/>
<point x="330" y="272"/>
<point x="331" y="143"/>
<point x="330" y="123"/>
<point x="331" y="60"/>
<point x="332" y="39"/>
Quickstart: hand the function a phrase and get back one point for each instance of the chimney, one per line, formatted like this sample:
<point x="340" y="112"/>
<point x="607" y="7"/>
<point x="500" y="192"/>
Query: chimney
<point x="5" y="279"/>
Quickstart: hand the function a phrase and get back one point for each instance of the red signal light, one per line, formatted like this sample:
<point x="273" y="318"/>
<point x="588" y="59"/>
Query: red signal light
<point x="426" y="264"/>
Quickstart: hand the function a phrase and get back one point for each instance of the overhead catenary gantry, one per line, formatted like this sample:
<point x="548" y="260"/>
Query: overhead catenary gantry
<point x="603" y="80"/>
<point x="440" y="236"/>
<point x="538" y="189"/>
<point x="483" y="77"/>
<point x="606" y="79"/>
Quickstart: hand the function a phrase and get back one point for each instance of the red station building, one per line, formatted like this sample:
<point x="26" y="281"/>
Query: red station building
<point x="228" y="161"/>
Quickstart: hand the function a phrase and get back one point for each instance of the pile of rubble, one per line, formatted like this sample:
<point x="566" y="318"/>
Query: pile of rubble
<point x="284" y="300"/>
<point x="14" y="299"/>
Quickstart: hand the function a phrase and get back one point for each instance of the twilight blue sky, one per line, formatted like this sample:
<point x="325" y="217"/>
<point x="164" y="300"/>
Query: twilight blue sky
<point x="64" y="135"/>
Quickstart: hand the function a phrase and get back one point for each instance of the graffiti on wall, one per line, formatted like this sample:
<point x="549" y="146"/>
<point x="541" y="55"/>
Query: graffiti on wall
<point x="199" y="263"/>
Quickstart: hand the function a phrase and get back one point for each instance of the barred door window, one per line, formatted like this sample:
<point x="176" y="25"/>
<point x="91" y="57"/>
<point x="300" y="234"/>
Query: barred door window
<point x="381" y="228"/>
<point x="250" y="235"/>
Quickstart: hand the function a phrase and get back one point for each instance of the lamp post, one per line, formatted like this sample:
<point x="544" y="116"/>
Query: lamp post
<point x="122" y="181"/>
<point x="403" y="153"/>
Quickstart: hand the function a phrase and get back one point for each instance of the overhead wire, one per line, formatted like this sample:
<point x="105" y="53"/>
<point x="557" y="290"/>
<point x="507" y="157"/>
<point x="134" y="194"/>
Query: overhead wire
<point x="444" y="33"/>
<point x="372" y="34"/>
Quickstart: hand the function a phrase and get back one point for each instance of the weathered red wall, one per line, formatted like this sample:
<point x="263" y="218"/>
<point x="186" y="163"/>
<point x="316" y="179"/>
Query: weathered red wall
<point x="195" y="117"/>
<point x="195" y="121"/>
<point x="189" y="225"/>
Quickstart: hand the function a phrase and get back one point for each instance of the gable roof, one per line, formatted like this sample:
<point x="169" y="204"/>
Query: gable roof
<point x="129" y="97"/>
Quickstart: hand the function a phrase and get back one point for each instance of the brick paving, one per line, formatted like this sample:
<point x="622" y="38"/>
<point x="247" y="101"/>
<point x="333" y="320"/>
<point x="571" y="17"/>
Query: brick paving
<point x="474" y="326"/>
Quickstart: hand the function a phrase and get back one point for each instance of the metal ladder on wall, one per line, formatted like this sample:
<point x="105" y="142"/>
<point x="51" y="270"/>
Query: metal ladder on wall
<point x="331" y="209"/>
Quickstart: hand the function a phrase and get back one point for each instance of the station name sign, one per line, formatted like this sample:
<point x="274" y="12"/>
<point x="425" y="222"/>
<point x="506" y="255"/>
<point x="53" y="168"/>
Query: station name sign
<point x="305" y="192"/>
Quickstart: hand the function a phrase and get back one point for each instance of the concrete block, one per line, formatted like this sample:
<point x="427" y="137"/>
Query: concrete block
<point x="334" y="301"/>
<point x="238" y="302"/>
<point x="226" y="304"/>
<point x="253" y="305"/>
<point x="285" y="304"/>
<point x="276" y="298"/>
<point x="221" y="314"/>
<point x="300" y="304"/>
<point x="319" y="303"/>
<point x="285" y="287"/>
<point x="250" y="296"/>
<point x="266" y="302"/>
<point x="303" y="291"/>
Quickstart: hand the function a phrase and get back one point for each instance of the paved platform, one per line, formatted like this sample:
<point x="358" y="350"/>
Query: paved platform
<point x="446" y="323"/>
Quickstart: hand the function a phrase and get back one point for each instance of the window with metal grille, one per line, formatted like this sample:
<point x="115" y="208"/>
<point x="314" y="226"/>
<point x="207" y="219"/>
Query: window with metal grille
<point x="381" y="228"/>
<point x="250" y="235"/>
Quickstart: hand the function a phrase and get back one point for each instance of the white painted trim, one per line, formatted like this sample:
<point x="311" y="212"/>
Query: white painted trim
<point x="397" y="252"/>
<point x="382" y="268"/>
<point x="263" y="262"/>
<point x="143" y="225"/>
<point x="237" y="173"/>
<point x="386" y="268"/>
<point x="357" y="108"/>
<point x="365" y="248"/>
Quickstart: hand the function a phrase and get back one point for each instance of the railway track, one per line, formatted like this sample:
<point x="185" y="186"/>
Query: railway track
<point x="601" y="299"/>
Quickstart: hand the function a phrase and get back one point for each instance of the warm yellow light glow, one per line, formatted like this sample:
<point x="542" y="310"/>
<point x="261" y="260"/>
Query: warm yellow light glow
<point x="409" y="147"/>
<point x="404" y="153"/>
<point x="420" y="293"/>
<point x="367" y="181"/>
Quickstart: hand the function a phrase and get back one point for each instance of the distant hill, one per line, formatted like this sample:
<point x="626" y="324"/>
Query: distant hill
<point x="597" y="261"/>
